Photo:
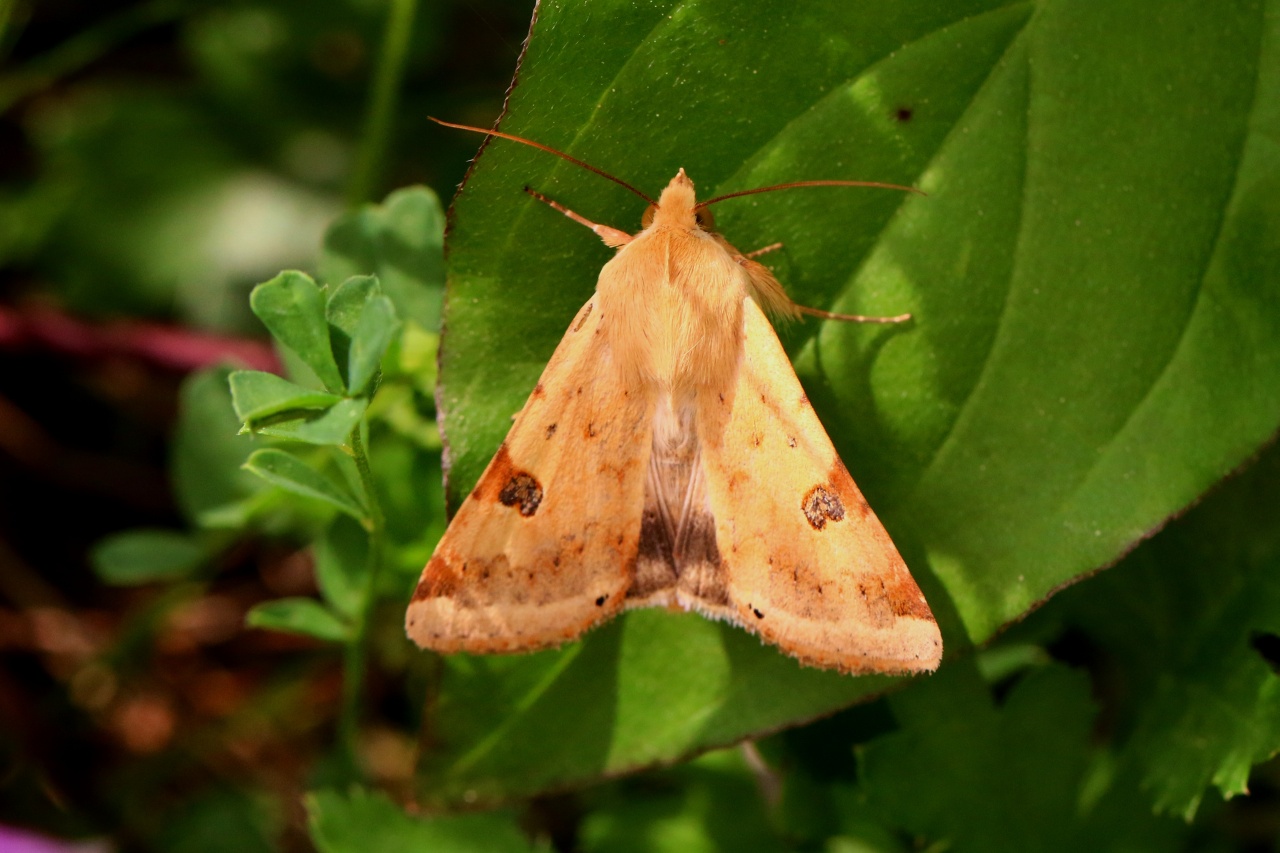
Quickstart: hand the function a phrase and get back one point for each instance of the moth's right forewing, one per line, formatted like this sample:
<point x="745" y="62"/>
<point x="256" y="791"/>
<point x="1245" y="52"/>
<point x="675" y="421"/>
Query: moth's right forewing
<point x="807" y="564"/>
<point x="545" y="546"/>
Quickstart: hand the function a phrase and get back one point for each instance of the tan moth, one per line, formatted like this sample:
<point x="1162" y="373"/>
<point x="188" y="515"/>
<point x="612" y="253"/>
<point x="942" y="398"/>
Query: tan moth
<point x="668" y="457"/>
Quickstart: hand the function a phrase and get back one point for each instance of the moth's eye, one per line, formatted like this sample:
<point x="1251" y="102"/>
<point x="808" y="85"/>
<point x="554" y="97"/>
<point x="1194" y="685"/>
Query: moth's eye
<point x="705" y="220"/>
<point x="647" y="219"/>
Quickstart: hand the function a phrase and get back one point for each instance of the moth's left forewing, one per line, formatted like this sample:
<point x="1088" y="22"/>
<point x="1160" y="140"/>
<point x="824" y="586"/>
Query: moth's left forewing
<point x="807" y="564"/>
<point x="543" y="547"/>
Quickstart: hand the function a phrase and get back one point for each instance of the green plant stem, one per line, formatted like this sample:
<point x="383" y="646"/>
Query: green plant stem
<point x="83" y="48"/>
<point x="376" y="137"/>
<point x="357" y="648"/>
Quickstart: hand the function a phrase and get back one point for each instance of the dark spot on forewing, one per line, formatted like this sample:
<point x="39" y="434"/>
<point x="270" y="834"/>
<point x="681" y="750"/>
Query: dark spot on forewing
<point x="551" y="430"/>
<point x="586" y="312"/>
<point x="523" y="492"/>
<point x="821" y="505"/>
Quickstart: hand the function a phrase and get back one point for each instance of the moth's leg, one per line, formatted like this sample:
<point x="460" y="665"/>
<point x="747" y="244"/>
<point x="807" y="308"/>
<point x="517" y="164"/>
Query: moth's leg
<point x="850" y="318"/>
<point x="772" y="247"/>
<point x="612" y="237"/>
<point x="774" y="298"/>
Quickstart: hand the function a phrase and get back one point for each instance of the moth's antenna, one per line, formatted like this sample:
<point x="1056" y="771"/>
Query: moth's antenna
<point x="550" y="150"/>
<point x="793" y="184"/>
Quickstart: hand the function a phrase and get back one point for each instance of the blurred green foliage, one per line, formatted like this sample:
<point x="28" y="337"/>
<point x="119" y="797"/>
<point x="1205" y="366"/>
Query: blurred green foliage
<point x="213" y="658"/>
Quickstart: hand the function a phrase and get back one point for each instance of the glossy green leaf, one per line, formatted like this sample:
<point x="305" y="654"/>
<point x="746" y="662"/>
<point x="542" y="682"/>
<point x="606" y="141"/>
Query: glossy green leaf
<point x="145" y="556"/>
<point x="328" y="426"/>
<point x="292" y="308"/>
<point x="290" y="473"/>
<point x="363" y="821"/>
<point x="299" y="616"/>
<point x="1093" y="279"/>
<point x="631" y="707"/>
<point x="400" y="241"/>
<point x="378" y="326"/>
<point x="256" y="394"/>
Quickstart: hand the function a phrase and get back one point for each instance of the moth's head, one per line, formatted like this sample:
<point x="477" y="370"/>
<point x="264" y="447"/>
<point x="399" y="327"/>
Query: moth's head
<point x="676" y="207"/>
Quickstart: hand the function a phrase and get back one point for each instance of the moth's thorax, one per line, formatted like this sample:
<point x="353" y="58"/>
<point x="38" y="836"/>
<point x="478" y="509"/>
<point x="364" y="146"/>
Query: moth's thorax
<point x="672" y="301"/>
<point x="675" y="205"/>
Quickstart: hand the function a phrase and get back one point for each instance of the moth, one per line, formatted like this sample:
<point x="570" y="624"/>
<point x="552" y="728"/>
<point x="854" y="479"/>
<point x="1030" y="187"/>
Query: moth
<point x="668" y="457"/>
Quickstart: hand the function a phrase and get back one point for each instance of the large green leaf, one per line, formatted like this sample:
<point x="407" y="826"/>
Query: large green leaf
<point x="637" y="691"/>
<point x="1093" y="278"/>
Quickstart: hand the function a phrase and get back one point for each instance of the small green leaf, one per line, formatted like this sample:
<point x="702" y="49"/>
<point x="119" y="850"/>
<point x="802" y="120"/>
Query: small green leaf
<point x="378" y="325"/>
<point x="401" y="241"/>
<point x="143" y="556"/>
<point x="331" y="426"/>
<point x="256" y="394"/>
<point x="346" y="304"/>
<point x="348" y="300"/>
<point x="341" y="559"/>
<point x="1201" y="694"/>
<point x="974" y="776"/>
<point x="207" y="452"/>
<point x="292" y="308"/>
<point x="364" y="821"/>
<point x="299" y="616"/>
<point x="292" y="474"/>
